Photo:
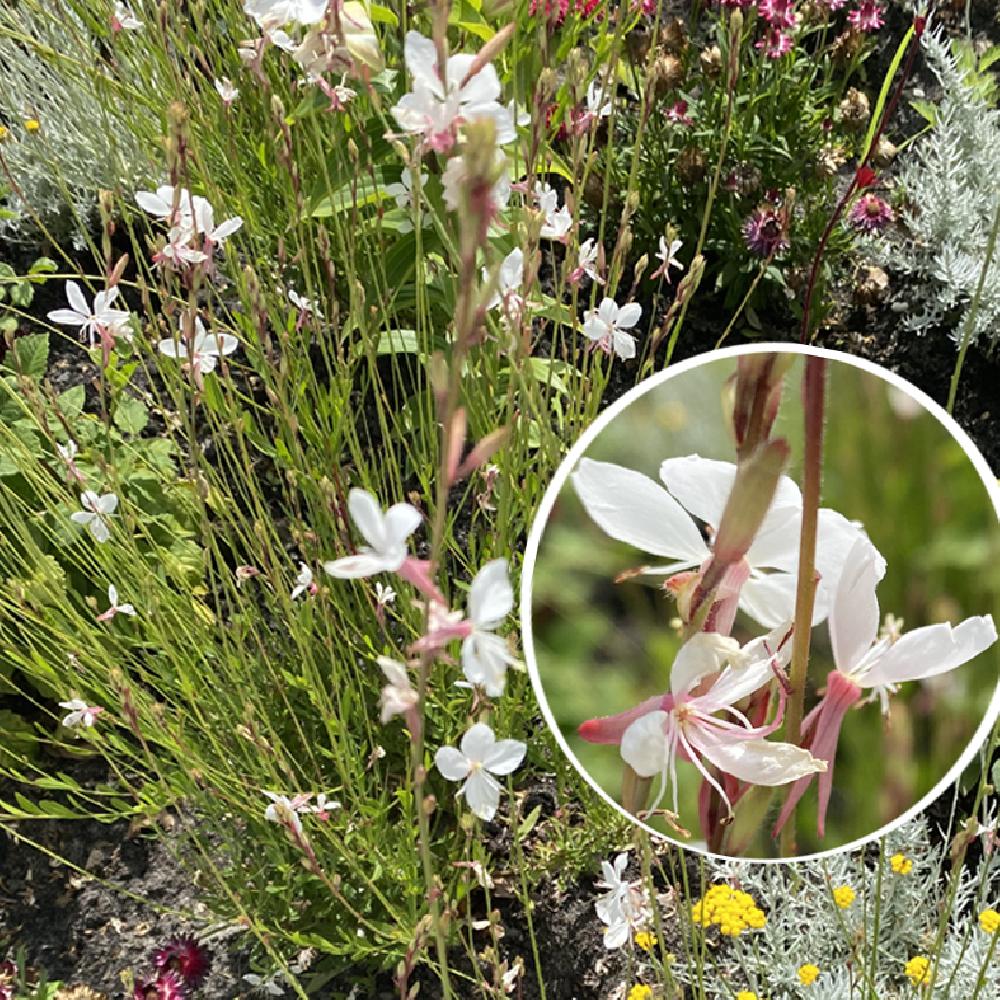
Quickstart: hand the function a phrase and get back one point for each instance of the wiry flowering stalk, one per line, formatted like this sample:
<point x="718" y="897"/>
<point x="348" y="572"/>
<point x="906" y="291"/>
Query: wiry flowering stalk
<point x="813" y="396"/>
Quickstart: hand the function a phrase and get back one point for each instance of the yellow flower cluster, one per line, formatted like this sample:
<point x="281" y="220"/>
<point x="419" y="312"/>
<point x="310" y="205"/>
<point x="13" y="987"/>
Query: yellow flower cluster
<point x="640" y="992"/>
<point x="732" y="910"/>
<point x="901" y="864"/>
<point x="918" y="970"/>
<point x="989" y="920"/>
<point x="746" y="995"/>
<point x="646" y="940"/>
<point x="808" y="974"/>
<point x="843" y="896"/>
<point x="32" y="124"/>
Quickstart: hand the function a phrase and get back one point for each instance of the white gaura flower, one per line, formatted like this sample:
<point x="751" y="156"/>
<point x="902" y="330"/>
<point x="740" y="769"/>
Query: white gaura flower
<point x="667" y="258"/>
<point x="303" y="582"/>
<point x="485" y="655"/>
<point x="80" y="713"/>
<point x="455" y="179"/>
<point x="398" y="697"/>
<point x="386" y="535"/>
<point x="114" y="607"/>
<point x="607" y="325"/>
<point x="205" y="350"/>
<point x="303" y="304"/>
<point x="480" y="758"/>
<point x="226" y="91"/>
<point x="160" y="203"/>
<point x="435" y="108"/>
<point x="632" y="508"/>
<point x="598" y="101"/>
<point x="124" y="18"/>
<point x="509" y="281"/>
<point x="402" y="191"/>
<point x="203" y="223"/>
<point x="384" y="595"/>
<point x="178" y="252"/>
<point x="271" y="14"/>
<point x="92" y="320"/>
<point x="557" y="221"/>
<point x="587" y="262"/>
<point x="624" y="907"/>
<point x="708" y="726"/>
<point x="285" y="811"/>
<point x="96" y="511"/>
<point x="866" y="662"/>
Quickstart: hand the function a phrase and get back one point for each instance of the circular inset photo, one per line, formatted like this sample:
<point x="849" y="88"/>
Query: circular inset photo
<point x="758" y="602"/>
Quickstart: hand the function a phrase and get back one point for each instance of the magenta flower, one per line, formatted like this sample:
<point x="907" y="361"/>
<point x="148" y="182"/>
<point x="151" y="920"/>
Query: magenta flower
<point x="775" y="43"/>
<point x="697" y="721"/>
<point x="166" y="986"/>
<point x="677" y="113"/>
<point x="780" y="13"/>
<point x="870" y="214"/>
<point x="186" y="958"/>
<point x="880" y="665"/>
<point x="867" y="17"/>
<point x="765" y="232"/>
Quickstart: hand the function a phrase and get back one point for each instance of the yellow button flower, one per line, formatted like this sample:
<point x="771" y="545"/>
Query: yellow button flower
<point x="918" y="970"/>
<point x="746" y="995"/>
<point x="640" y="992"/>
<point x="901" y="864"/>
<point x="729" y="909"/>
<point x="4" y="132"/>
<point x="989" y="920"/>
<point x="843" y="896"/>
<point x="808" y="974"/>
<point x="32" y="124"/>
<point x="645" y="940"/>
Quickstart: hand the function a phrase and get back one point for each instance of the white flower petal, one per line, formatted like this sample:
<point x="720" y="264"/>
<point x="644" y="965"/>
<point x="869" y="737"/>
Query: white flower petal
<point x="491" y="597"/>
<point x="644" y="745"/>
<point x="631" y="508"/>
<point x="401" y="520"/>
<point x="769" y="598"/>
<point x="367" y="516"/>
<point x="932" y="650"/>
<point x="482" y="793"/>
<point x="356" y="567"/>
<point x="505" y="757"/>
<point x="756" y="761"/>
<point x="854" y="616"/>
<point x="478" y="742"/>
<point x="704" y="653"/>
<point x="628" y="315"/>
<point x="452" y="764"/>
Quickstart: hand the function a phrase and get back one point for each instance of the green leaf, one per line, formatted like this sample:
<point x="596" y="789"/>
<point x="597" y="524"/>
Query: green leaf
<point x="926" y="109"/>
<point x="44" y="265"/>
<point x="398" y="342"/>
<point x="351" y="196"/>
<point x="383" y="15"/>
<point x="528" y="823"/>
<point x="71" y="402"/>
<point x="30" y="355"/>
<point x="131" y="416"/>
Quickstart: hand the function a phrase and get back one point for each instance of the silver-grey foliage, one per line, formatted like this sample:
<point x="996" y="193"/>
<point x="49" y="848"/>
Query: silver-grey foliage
<point x="55" y="71"/>
<point x="952" y="184"/>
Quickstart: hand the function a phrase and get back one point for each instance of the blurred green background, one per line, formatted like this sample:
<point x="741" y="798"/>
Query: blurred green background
<point x="601" y="647"/>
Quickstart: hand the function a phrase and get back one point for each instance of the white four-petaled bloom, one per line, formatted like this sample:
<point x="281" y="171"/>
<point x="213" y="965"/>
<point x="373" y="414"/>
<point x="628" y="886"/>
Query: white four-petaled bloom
<point x="284" y="811"/>
<point x="80" y="713"/>
<point x="93" y="320"/>
<point x="303" y="582"/>
<point x="398" y="696"/>
<point x="480" y="757"/>
<point x="114" y="608"/>
<point x="384" y="595"/>
<point x="667" y="257"/>
<point x="226" y="90"/>
<point x="402" y="191"/>
<point x="96" y="511"/>
<point x="632" y="508"/>
<point x="271" y="14"/>
<point x="607" y="325"/>
<point x="700" y="726"/>
<point x="205" y="349"/>
<point x="124" y="18"/>
<point x="485" y="656"/>
<point x="509" y="281"/>
<point x="587" y="263"/>
<point x="386" y="535"/>
<point x="624" y="907"/>
<point x="435" y="108"/>
<point x="558" y="221"/>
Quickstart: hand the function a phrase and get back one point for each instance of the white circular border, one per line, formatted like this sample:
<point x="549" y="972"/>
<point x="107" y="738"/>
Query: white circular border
<point x="576" y="453"/>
